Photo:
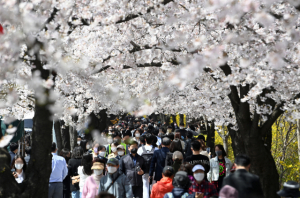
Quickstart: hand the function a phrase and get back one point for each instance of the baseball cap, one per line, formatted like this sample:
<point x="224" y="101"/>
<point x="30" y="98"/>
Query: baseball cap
<point x="97" y="165"/>
<point x="113" y="161"/>
<point x="181" y="180"/>
<point x="177" y="155"/>
<point x="168" y="168"/>
<point x="120" y="147"/>
<point x="198" y="167"/>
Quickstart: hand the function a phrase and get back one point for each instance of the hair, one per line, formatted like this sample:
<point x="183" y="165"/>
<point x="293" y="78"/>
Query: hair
<point x="154" y="141"/>
<point x="83" y="144"/>
<point x="86" y="162"/>
<point x="105" y="195"/>
<point x="143" y="139"/>
<point x="134" y="142"/>
<point x="242" y="160"/>
<point x="163" y="129"/>
<point x="165" y="141"/>
<point x="149" y="138"/>
<point x="168" y="173"/>
<point x="116" y="134"/>
<point x="203" y="146"/>
<point x="28" y="150"/>
<point x="13" y="146"/>
<point x="115" y="142"/>
<point x="196" y="145"/>
<point x="192" y="127"/>
<point x="177" y="135"/>
<point x="101" y="147"/>
<point x="53" y="147"/>
<point x="171" y="136"/>
<point x="222" y="149"/>
<point x="181" y="124"/>
<point x="99" y="160"/>
<point x="64" y="152"/>
<point x="14" y="161"/>
<point x="176" y="146"/>
<point x="189" y="134"/>
<point x="140" y="130"/>
<point x="186" y="167"/>
<point x="77" y="152"/>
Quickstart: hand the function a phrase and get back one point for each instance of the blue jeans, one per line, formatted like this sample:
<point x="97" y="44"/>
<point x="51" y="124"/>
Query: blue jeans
<point x="81" y="195"/>
<point x="75" y="194"/>
<point x="55" y="190"/>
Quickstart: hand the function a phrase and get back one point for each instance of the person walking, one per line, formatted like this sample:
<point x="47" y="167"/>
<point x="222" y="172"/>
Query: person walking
<point x="159" y="160"/>
<point x="220" y="167"/>
<point x="27" y="152"/>
<point x="13" y="151"/>
<point x="59" y="172"/>
<point x="73" y="165"/>
<point x="247" y="184"/>
<point x="85" y="170"/>
<point x="114" y="182"/>
<point x="290" y="189"/>
<point x="164" y="185"/>
<point x="19" y="164"/>
<point x="178" y="160"/>
<point x="65" y="153"/>
<point x="132" y="165"/>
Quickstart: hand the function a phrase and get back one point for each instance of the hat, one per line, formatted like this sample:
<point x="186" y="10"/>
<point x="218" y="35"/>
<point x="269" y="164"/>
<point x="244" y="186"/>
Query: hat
<point x="121" y="147"/>
<point x="168" y="168"/>
<point x="170" y="127"/>
<point x="166" y="141"/>
<point x="177" y="155"/>
<point x="228" y="192"/>
<point x="113" y="161"/>
<point x="201" y="137"/>
<point x="97" y="165"/>
<point x="290" y="189"/>
<point x="181" y="180"/>
<point x="146" y="129"/>
<point x="198" y="167"/>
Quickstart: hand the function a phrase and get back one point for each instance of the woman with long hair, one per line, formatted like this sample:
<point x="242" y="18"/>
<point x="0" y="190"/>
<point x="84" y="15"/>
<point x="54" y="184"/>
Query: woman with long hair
<point x="85" y="170"/>
<point x="176" y="146"/>
<point x="19" y="164"/>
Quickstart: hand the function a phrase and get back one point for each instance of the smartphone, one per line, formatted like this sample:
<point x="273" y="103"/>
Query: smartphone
<point x="13" y="170"/>
<point x="138" y="169"/>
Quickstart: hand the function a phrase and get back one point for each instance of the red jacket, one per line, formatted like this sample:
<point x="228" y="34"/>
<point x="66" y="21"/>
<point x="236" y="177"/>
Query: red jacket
<point x="161" y="188"/>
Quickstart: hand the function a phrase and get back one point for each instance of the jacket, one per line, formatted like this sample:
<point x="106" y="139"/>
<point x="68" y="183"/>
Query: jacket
<point x="128" y="168"/>
<point x="121" y="187"/>
<point x="73" y="165"/>
<point x="188" y="150"/>
<point x="158" y="159"/>
<point x="213" y="174"/>
<point x="179" y="193"/>
<point x="161" y="188"/>
<point x="247" y="184"/>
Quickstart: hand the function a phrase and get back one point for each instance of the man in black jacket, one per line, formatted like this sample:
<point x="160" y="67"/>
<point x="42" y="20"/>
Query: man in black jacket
<point x="247" y="184"/>
<point x="132" y="165"/>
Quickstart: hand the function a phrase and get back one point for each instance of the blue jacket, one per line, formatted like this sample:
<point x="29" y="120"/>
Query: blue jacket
<point x="158" y="158"/>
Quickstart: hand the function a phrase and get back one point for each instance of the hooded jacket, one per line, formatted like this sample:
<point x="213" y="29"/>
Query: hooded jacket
<point x="161" y="188"/>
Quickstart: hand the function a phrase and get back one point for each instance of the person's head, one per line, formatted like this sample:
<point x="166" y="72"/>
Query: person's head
<point x="181" y="180"/>
<point x="28" y="150"/>
<point x="181" y="125"/>
<point x="220" y="151"/>
<point x="170" y="136"/>
<point x="198" y="173"/>
<point x="112" y="165"/>
<point x="203" y="146"/>
<point x="133" y="147"/>
<point x="177" y="135"/>
<point x="19" y="163"/>
<point x="176" y="146"/>
<point x="78" y="141"/>
<point x="113" y="146"/>
<point x="126" y="135"/>
<point x="98" y="166"/>
<point x="77" y="152"/>
<point x="290" y="190"/>
<point x="201" y="137"/>
<point x="148" y="138"/>
<point x="137" y="134"/>
<point x="87" y="162"/>
<point x="102" y="151"/>
<point x="53" y="147"/>
<point x="242" y="161"/>
<point x="229" y="191"/>
<point x="65" y="153"/>
<point x="177" y="156"/>
<point x="13" y="147"/>
<point x="189" y="135"/>
<point x="168" y="171"/>
<point x="96" y="147"/>
<point x="169" y="129"/>
<point x="105" y="195"/>
<point x="121" y="150"/>
<point x="186" y="167"/>
<point x="165" y="142"/>
<point x="83" y="144"/>
<point x="143" y="140"/>
<point x="117" y="137"/>
<point x="195" y="146"/>
<point x="192" y="127"/>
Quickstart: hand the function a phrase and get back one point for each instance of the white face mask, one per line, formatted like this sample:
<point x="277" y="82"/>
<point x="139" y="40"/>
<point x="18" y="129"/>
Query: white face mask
<point x="78" y="142"/>
<point x="169" y="130"/>
<point x="102" y="153"/>
<point x="199" y="176"/>
<point x="98" y="171"/>
<point x="120" y="153"/>
<point x="111" y="169"/>
<point x="181" y="127"/>
<point x="137" y="135"/>
<point x="87" y="146"/>
<point x="113" y="149"/>
<point x="19" y="166"/>
<point x="109" y="140"/>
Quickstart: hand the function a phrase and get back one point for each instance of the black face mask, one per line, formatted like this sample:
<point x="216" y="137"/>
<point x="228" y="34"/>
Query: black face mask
<point x="134" y="151"/>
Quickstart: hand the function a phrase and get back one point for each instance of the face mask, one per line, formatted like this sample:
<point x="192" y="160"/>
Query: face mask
<point x="199" y="176"/>
<point x="113" y="149"/>
<point x="181" y="127"/>
<point x="109" y="140"/>
<point x="137" y="135"/>
<point x="120" y="153"/>
<point x="95" y="150"/>
<point x="102" y="153"/>
<point x="87" y="146"/>
<point x="111" y="169"/>
<point x="169" y="130"/>
<point x="78" y="142"/>
<point x="133" y="151"/>
<point x="19" y="166"/>
<point x="98" y="171"/>
<point x="218" y="153"/>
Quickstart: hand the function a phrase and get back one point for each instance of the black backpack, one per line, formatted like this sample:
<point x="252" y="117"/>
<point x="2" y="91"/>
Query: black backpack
<point x="147" y="155"/>
<point x="169" y="159"/>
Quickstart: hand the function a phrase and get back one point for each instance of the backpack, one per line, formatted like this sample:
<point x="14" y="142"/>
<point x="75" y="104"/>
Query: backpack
<point x="147" y="155"/>
<point x="185" y="195"/>
<point x="169" y="159"/>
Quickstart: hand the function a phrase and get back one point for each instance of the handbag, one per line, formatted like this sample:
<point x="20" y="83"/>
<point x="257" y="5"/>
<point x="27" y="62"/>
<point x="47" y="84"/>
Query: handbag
<point x="75" y="179"/>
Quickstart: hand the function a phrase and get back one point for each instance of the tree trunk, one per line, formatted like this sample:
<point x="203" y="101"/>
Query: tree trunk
<point x="65" y="135"/>
<point x="39" y="167"/>
<point x="298" y="137"/>
<point x="225" y="143"/>
<point x="210" y="140"/>
<point x="73" y="137"/>
<point x="57" y="130"/>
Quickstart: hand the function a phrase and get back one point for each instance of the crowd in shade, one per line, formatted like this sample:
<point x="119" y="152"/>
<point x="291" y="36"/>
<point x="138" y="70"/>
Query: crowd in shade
<point x="140" y="158"/>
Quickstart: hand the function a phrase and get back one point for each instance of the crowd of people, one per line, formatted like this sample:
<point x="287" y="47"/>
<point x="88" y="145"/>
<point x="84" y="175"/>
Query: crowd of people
<point x="145" y="159"/>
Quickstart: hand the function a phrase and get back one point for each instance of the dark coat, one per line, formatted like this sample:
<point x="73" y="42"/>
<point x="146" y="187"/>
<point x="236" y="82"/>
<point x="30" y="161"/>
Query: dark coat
<point x="158" y="159"/>
<point x="188" y="150"/>
<point x="73" y="167"/>
<point x="247" y="184"/>
<point x="182" y="132"/>
<point x="128" y="168"/>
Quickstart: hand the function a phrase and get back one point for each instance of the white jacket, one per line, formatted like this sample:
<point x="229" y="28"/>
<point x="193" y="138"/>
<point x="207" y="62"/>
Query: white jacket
<point x="213" y="174"/>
